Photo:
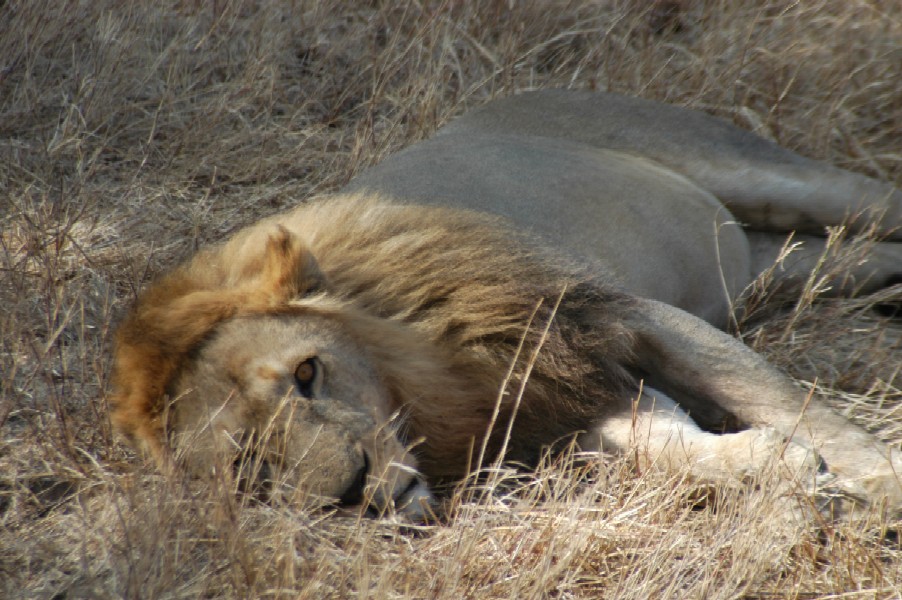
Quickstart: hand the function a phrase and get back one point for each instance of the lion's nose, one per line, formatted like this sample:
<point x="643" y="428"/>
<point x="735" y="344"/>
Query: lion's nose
<point x="355" y="492"/>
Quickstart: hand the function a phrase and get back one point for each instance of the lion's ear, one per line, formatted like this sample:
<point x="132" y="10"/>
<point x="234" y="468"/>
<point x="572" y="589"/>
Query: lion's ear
<point x="289" y="267"/>
<point x="274" y="261"/>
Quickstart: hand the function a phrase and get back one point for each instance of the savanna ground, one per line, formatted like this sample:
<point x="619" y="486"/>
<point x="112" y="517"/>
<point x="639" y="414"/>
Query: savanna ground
<point x="132" y="133"/>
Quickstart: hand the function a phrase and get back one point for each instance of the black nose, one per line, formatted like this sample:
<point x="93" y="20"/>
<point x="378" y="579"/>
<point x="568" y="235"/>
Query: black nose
<point x="354" y="494"/>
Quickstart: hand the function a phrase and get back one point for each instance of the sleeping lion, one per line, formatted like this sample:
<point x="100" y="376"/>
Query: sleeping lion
<point x="554" y="264"/>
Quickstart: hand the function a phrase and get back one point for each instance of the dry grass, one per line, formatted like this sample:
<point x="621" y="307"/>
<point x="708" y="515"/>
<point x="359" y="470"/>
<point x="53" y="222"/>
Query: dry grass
<point x="130" y="133"/>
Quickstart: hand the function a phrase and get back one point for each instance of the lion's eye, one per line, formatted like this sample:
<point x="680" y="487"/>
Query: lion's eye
<point x="305" y="376"/>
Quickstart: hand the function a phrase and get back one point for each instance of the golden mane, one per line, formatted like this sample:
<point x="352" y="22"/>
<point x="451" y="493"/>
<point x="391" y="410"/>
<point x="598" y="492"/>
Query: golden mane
<point x="445" y="302"/>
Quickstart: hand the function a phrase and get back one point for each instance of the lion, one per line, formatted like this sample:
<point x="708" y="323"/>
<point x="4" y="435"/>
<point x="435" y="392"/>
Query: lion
<point x="557" y="265"/>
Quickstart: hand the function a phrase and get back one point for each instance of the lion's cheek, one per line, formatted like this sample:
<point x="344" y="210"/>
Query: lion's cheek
<point x="318" y="464"/>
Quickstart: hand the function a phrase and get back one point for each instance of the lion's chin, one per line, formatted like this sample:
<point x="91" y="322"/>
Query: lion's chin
<point x="416" y="502"/>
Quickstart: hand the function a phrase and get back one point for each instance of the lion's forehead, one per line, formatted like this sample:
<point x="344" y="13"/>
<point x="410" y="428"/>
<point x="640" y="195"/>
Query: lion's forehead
<point x="269" y="347"/>
<point x="257" y="357"/>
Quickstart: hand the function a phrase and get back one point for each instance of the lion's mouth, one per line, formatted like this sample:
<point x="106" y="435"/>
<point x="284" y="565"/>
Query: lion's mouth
<point x="356" y="492"/>
<point x="415" y="501"/>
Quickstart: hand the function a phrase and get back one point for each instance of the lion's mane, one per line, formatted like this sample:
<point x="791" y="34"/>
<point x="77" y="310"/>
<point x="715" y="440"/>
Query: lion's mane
<point x="450" y="305"/>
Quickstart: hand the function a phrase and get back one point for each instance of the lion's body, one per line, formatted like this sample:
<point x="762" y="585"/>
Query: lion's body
<point x="464" y="323"/>
<point x="672" y="203"/>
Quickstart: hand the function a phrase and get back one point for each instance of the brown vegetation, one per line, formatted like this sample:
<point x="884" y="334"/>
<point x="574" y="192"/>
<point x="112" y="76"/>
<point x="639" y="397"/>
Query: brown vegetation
<point x="132" y="133"/>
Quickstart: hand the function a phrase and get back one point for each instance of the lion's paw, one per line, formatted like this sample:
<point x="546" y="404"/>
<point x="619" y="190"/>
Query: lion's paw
<point x="766" y="447"/>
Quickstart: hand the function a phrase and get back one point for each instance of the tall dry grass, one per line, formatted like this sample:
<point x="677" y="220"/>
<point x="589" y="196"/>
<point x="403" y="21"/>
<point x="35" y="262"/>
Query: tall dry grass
<point x="131" y="133"/>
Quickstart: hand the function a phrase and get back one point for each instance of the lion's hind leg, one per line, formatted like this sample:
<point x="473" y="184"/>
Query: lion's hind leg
<point x="865" y="266"/>
<point x="663" y="436"/>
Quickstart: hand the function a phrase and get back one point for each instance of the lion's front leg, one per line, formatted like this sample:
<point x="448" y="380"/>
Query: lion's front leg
<point x="663" y="436"/>
<point x="711" y="373"/>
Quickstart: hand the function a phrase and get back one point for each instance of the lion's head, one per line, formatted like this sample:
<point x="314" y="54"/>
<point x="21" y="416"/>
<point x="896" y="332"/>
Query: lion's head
<point x="233" y="365"/>
<point x="294" y="406"/>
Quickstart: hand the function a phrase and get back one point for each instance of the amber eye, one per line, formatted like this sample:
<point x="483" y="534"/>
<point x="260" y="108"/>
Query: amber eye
<point x="305" y="376"/>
